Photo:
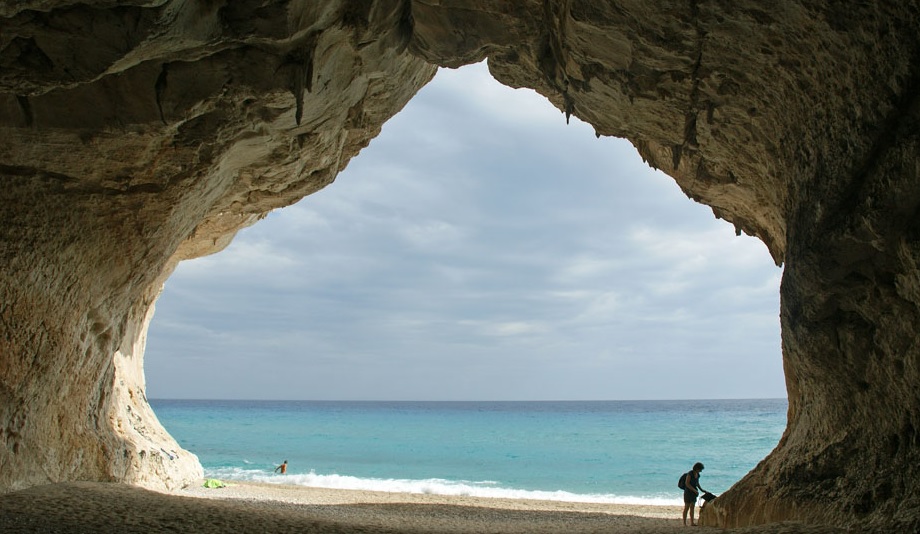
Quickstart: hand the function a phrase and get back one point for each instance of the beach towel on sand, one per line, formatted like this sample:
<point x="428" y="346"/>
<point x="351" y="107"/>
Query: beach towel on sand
<point x="214" y="483"/>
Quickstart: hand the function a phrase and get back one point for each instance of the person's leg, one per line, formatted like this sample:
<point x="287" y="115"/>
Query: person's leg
<point x="686" y="507"/>
<point x="692" y="509"/>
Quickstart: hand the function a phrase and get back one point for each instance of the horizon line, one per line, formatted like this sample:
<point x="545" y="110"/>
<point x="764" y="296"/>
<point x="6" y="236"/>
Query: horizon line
<point x="469" y="400"/>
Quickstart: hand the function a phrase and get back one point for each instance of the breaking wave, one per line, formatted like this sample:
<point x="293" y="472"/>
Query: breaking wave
<point x="433" y="486"/>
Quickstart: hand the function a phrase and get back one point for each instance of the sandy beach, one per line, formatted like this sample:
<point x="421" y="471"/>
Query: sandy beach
<point x="84" y="507"/>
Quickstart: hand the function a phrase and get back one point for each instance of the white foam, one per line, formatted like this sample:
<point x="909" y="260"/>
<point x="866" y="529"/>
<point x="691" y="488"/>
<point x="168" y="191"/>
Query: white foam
<point x="434" y="486"/>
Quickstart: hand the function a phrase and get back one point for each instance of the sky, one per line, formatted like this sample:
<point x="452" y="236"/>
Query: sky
<point x="479" y="248"/>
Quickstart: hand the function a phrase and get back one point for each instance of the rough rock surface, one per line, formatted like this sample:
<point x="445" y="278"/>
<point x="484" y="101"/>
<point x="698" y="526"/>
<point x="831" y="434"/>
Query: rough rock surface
<point x="137" y="134"/>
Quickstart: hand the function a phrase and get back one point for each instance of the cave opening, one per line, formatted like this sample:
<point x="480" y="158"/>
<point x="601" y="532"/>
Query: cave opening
<point x="480" y="249"/>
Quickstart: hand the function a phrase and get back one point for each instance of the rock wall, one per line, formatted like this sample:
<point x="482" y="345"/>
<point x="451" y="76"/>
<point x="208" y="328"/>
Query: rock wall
<point x="137" y="134"/>
<point x="132" y="137"/>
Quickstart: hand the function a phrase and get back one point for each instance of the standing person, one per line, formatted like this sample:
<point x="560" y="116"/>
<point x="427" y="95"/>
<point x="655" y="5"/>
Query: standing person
<point x="692" y="490"/>
<point x="283" y="469"/>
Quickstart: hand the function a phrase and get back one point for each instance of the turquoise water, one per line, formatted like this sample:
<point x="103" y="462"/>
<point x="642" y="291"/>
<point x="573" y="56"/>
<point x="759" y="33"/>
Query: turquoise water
<point x="598" y="451"/>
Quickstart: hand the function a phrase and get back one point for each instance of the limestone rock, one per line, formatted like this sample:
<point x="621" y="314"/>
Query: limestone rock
<point x="132" y="138"/>
<point x="137" y="134"/>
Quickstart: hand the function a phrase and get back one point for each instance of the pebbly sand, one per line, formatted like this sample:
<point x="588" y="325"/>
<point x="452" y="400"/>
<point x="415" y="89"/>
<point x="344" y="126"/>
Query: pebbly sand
<point x="88" y="507"/>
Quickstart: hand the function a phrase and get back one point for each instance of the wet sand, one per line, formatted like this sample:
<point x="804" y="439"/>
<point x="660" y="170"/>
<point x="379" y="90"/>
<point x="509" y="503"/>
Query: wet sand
<point x="84" y="507"/>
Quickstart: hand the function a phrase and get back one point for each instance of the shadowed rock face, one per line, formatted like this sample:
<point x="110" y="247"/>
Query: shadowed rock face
<point x="134" y="135"/>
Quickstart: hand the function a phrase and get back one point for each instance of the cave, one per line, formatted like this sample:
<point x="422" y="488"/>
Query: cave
<point x="139" y="134"/>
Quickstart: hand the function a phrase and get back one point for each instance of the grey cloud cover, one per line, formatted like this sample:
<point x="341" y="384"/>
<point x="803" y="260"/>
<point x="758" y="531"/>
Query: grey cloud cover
<point x="479" y="248"/>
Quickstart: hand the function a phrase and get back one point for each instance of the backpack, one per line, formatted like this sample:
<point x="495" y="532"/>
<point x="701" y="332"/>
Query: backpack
<point x="682" y="481"/>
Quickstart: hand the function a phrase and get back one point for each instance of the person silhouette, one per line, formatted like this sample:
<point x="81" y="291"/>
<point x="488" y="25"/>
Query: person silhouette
<point x="692" y="491"/>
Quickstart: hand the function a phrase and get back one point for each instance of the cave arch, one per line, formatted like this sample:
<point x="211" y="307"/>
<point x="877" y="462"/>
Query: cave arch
<point x="157" y="134"/>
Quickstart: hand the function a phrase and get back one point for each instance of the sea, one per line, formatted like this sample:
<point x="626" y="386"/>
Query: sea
<point x="621" y="452"/>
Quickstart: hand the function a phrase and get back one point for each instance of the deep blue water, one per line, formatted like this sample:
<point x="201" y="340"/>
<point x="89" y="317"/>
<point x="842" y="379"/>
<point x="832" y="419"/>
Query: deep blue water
<point x="605" y="451"/>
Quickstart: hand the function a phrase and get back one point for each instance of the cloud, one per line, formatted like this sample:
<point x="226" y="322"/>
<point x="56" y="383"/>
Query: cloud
<point x="473" y="93"/>
<point x="479" y="248"/>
